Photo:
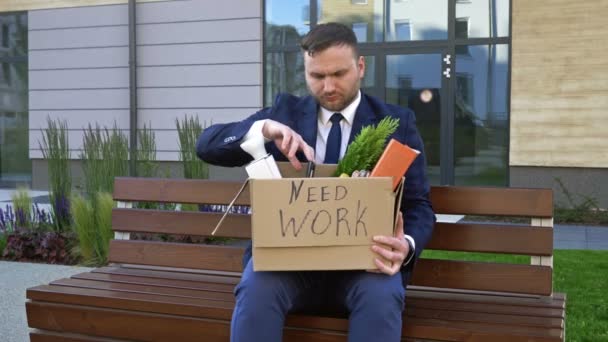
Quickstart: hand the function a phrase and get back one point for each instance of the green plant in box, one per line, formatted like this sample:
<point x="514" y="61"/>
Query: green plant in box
<point x="366" y="148"/>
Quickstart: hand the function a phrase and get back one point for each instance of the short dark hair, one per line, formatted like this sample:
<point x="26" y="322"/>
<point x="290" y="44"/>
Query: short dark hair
<point x="324" y="36"/>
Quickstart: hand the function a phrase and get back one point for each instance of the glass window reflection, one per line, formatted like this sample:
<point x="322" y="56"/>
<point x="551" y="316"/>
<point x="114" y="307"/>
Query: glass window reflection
<point x="284" y="73"/>
<point x="486" y="18"/>
<point x="15" y="165"/>
<point x="481" y="117"/>
<point x="286" y="22"/>
<point x="414" y="81"/>
<point x="13" y="35"/>
<point x="416" y="20"/>
<point x="355" y="14"/>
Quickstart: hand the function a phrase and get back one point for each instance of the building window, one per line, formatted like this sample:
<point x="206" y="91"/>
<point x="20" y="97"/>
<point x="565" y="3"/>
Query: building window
<point x="462" y="32"/>
<point x="15" y="165"/>
<point x="464" y="90"/>
<point x="404" y="43"/>
<point x="360" y="30"/>
<point x="405" y="87"/>
<point x="403" y="30"/>
<point x="5" y="31"/>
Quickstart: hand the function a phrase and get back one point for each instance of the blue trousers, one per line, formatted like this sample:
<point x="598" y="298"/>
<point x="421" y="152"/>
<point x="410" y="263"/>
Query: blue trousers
<point x="373" y="302"/>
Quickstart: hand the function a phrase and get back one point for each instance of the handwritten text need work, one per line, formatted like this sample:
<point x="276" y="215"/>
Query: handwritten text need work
<point x="340" y="215"/>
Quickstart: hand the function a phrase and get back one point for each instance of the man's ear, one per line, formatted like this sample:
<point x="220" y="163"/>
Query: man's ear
<point x="361" y="66"/>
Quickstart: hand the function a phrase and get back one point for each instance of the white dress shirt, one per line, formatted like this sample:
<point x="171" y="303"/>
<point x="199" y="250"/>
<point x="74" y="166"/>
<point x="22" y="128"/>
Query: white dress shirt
<point x="324" y="126"/>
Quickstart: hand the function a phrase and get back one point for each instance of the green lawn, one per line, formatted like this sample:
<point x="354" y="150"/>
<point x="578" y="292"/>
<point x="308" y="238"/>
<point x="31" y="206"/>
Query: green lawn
<point x="582" y="275"/>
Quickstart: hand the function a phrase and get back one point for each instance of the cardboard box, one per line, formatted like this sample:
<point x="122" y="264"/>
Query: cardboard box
<point x="324" y="223"/>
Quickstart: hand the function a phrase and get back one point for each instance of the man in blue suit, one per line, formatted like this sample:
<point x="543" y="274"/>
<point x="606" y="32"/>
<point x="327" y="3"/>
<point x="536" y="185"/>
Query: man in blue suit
<point x="329" y="119"/>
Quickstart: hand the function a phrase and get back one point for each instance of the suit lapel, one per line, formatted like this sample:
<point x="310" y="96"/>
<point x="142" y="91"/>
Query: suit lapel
<point x="306" y="124"/>
<point x="364" y="116"/>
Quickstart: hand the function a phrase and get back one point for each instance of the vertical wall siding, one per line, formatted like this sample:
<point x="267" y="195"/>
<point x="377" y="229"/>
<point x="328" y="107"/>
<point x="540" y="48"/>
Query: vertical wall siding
<point x="78" y="70"/>
<point x="197" y="58"/>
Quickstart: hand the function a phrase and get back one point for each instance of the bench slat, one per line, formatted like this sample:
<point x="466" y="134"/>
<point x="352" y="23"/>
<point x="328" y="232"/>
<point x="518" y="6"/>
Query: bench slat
<point x="178" y="190"/>
<point x="71" y="317"/>
<point x="146" y="288"/>
<point x="429" y="272"/>
<point x="185" y="276"/>
<point x="492" y="201"/>
<point x="486" y="315"/>
<point x="510" y="239"/>
<point x="412" y="301"/>
<point x="415" y="298"/>
<point x="445" y="199"/>
<point x="180" y="222"/>
<point x="219" y="258"/>
<point x="437" y="330"/>
<point x="472" y="237"/>
<point x="170" y="283"/>
<point x="51" y="336"/>
<point x="122" y="324"/>
<point x="203" y="308"/>
<point x="525" y="279"/>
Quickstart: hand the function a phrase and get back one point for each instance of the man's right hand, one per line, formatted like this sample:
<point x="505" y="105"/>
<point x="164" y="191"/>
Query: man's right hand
<point x="288" y="142"/>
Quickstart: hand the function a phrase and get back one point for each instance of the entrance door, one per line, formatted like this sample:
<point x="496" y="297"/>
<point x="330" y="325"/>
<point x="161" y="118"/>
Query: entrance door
<point x="417" y="80"/>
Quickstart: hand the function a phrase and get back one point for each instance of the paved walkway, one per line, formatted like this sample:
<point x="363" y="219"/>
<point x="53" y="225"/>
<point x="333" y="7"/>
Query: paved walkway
<point x="580" y="237"/>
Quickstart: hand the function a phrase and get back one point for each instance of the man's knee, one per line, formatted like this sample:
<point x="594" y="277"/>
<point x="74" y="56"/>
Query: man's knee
<point x="378" y="291"/>
<point x="264" y="289"/>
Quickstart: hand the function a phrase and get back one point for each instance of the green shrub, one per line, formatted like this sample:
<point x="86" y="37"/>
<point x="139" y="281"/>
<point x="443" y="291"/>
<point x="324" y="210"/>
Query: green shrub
<point x="3" y="237"/>
<point x="105" y="156"/>
<point x="147" y="166"/>
<point x="55" y="149"/>
<point x="93" y="225"/>
<point x="23" y="207"/>
<point x="583" y="211"/>
<point x="188" y="132"/>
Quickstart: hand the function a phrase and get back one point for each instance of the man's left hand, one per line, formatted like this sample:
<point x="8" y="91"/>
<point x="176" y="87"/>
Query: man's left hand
<point x="391" y="250"/>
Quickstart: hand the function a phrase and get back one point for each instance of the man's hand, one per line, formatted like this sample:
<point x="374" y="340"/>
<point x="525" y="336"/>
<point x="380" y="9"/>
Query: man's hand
<point x="288" y="142"/>
<point x="391" y="249"/>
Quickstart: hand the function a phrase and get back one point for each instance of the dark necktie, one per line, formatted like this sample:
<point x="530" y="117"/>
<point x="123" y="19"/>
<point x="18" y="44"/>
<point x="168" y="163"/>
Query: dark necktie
<point x="334" y="140"/>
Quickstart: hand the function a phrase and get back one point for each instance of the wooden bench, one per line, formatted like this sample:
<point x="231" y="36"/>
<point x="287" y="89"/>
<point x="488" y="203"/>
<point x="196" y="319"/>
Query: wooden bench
<point x="160" y="291"/>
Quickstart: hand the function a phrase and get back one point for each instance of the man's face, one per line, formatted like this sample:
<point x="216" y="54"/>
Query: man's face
<point x="333" y="76"/>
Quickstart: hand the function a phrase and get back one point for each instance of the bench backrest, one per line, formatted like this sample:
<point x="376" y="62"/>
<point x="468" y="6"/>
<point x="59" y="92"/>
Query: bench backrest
<point x="534" y="239"/>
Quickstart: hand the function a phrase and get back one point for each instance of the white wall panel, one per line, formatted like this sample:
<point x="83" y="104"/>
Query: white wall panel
<point x="80" y="119"/>
<point x="79" y="58"/>
<point x="78" y="17"/>
<point x="207" y="97"/>
<point x="199" y="31"/>
<point x="75" y="138"/>
<point x="206" y="53"/>
<point x="79" y="78"/>
<point x="79" y="99"/>
<point x="197" y="10"/>
<point x="165" y="118"/>
<point x="199" y="75"/>
<point x="79" y="37"/>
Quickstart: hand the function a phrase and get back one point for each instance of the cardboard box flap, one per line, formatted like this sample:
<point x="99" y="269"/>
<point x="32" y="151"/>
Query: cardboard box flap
<point x="321" y="170"/>
<point x="321" y="211"/>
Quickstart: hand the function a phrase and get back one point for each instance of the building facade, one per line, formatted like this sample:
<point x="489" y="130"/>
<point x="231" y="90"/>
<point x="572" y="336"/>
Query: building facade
<point x="506" y="93"/>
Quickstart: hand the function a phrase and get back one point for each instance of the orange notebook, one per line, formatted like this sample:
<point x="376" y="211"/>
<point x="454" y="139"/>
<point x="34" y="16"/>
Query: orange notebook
<point x="394" y="161"/>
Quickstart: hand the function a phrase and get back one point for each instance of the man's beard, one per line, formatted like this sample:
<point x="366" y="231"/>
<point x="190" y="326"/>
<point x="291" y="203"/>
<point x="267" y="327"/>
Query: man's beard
<point x="336" y="106"/>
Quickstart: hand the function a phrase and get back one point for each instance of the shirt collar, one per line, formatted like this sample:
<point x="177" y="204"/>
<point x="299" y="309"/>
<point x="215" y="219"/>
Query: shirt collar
<point x="348" y="113"/>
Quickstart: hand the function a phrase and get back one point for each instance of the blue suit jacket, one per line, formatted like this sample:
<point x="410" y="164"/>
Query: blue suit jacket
<point x="219" y="145"/>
